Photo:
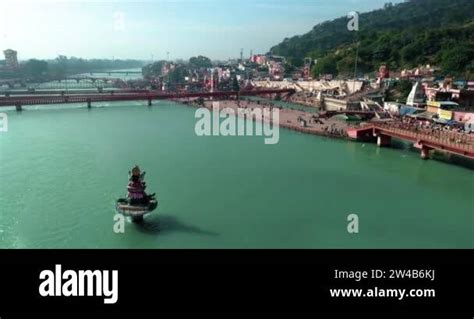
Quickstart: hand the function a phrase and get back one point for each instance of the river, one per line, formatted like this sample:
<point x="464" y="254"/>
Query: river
<point x="62" y="167"/>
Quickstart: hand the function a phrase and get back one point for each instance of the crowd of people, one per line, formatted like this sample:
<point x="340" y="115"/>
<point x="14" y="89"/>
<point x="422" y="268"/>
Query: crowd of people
<point x="452" y="133"/>
<point x="432" y="126"/>
<point x="333" y="131"/>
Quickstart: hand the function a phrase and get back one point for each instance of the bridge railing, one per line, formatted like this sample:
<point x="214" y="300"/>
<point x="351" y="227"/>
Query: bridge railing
<point x="97" y="97"/>
<point x="452" y="139"/>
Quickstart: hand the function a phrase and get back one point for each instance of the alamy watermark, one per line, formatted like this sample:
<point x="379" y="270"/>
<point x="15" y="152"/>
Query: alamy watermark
<point x="3" y="122"/>
<point x="119" y="21"/>
<point x="239" y="122"/>
<point x="353" y="23"/>
<point x="353" y="225"/>
<point x="79" y="283"/>
<point x="119" y="223"/>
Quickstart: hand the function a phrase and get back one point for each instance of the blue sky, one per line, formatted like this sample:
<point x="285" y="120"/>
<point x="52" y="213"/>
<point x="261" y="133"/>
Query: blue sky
<point x="140" y="29"/>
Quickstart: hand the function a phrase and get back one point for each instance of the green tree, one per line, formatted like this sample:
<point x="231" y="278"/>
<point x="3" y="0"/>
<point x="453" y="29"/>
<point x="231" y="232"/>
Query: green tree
<point x="326" y="65"/>
<point x="399" y="91"/>
<point x="346" y="65"/>
<point x="402" y="35"/>
<point x="35" y="68"/>
<point x="153" y="70"/>
<point x="200" y="62"/>
<point x="235" y="84"/>
<point x="455" y="59"/>
<point x="177" y="75"/>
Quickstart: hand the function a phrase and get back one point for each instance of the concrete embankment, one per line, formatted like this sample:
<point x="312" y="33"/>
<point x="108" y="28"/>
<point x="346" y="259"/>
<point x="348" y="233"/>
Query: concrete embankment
<point x="295" y="120"/>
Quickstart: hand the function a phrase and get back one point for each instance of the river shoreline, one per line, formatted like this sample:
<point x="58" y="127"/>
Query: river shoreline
<point x="291" y="119"/>
<point x="308" y="123"/>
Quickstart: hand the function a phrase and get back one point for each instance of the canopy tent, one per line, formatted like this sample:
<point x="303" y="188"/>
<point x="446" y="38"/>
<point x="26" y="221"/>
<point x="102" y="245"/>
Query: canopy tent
<point x="445" y="121"/>
<point x="424" y="115"/>
<point x="344" y="117"/>
<point x="407" y="110"/>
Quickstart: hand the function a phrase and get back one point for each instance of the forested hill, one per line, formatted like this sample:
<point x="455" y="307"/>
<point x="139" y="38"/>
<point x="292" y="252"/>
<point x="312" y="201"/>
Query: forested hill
<point x="405" y="35"/>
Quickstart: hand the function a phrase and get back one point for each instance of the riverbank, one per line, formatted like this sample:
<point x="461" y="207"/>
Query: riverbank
<point x="311" y="123"/>
<point x="292" y="119"/>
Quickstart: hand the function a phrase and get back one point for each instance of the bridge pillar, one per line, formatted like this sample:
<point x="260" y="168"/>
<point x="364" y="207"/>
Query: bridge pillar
<point x="425" y="152"/>
<point x="383" y="140"/>
<point x="89" y="103"/>
<point x="18" y="107"/>
<point x="149" y="102"/>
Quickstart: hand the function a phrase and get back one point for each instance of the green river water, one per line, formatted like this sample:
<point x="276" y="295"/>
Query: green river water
<point x="62" y="167"/>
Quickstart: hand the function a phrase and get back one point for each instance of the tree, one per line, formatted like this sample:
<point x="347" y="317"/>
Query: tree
<point x="200" y="62"/>
<point x="411" y="54"/>
<point x="177" y="75"/>
<point x="59" y="67"/>
<point x="400" y="91"/>
<point x="289" y="69"/>
<point x="153" y="70"/>
<point x="235" y="84"/>
<point x="346" y="65"/>
<point x="326" y="65"/>
<point x="401" y="35"/>
<point x="35" y="68"/>
<point x="456" y="59"/>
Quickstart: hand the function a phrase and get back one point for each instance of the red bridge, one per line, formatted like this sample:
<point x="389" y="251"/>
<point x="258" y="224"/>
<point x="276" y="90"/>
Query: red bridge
<point x="423" y="139"/>
<point x="8" y="93"/>
<point x="19" y="101"/>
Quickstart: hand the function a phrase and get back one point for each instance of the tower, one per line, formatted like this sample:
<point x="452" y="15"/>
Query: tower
<point x="11" y="60"/>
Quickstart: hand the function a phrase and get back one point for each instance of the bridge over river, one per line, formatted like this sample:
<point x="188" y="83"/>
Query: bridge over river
<point x="423" y="139"/>
<point x="38" y="99"/>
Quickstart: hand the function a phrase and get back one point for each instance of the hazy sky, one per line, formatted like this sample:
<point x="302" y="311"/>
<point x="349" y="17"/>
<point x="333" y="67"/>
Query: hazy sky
<point x="140" y="29"/>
